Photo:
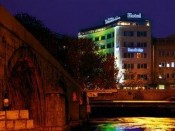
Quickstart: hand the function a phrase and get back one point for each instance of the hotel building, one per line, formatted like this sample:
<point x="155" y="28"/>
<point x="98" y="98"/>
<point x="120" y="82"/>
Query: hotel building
<point x="128" y="39"/>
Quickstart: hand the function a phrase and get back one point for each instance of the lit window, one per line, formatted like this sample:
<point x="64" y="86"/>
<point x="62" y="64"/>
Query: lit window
<point x="160" y="77"/>
<point x="162" y="87"/>
<point x="162" y="64"/>
<point x="167" y="65"/>
<point x="138" y="55"/>
<point x="172" y="64"/>
<point x="147" y="24"/>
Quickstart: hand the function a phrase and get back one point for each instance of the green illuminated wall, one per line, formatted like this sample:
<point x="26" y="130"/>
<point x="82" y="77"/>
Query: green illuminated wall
<point x="103" y="42"/>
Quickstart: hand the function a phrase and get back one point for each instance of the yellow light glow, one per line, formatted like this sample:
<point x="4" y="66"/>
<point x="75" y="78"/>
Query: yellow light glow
<point x="146" y="123"/>
<point x="147" y="24"/>
<point x="124" y="23"/>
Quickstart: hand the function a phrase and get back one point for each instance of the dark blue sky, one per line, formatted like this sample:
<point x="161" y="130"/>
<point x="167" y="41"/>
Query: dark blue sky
<point x="70" y="16"/>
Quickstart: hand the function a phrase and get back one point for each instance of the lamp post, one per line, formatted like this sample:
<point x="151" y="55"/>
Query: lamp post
<point x="5" y="97"/>
<point x="6" y="103"/>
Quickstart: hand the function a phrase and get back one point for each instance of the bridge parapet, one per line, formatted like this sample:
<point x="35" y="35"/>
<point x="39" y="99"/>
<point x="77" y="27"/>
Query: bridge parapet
<point x="152" y="94"/>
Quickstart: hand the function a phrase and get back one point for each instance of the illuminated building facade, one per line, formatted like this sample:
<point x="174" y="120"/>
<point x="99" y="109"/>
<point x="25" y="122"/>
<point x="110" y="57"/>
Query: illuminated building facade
<point x="128" y="39"/>
<point x="164" y="62"/>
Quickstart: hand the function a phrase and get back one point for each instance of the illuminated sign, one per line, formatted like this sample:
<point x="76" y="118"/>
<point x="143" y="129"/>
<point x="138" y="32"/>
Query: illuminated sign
<point x="135" y="50"/>
<point x="92" y="94"/>
<point x="130" y="15"/>
<point x="111" y="19"/>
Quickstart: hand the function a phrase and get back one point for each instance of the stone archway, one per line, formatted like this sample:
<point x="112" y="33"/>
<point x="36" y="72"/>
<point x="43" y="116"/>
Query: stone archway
<point x="24" y="85"/>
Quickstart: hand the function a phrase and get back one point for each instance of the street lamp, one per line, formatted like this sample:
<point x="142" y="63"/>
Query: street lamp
<point x="6" y="102"/>
<point x="5" y="99"/>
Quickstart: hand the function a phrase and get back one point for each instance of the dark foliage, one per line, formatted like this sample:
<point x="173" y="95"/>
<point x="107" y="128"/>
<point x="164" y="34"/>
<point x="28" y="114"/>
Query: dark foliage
<point x="77" y="56"/>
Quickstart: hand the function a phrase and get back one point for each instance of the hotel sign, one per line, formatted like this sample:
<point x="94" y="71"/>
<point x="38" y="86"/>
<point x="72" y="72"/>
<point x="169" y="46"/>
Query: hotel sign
<point x="111" y="19"/>
<point x="130" y="15"/>
<point x="135" y="50"/>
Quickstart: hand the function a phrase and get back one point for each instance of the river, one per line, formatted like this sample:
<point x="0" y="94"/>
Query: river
<point x="129" y="124"/>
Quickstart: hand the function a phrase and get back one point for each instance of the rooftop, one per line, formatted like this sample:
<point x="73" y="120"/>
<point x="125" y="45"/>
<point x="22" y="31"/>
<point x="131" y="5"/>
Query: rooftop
<point x="113" y="21"/>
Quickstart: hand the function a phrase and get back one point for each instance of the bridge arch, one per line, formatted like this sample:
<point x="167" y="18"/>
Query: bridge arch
<point x="24" y="84"/>
<point x="25" y="64"/>
<point x="45" y="101"/>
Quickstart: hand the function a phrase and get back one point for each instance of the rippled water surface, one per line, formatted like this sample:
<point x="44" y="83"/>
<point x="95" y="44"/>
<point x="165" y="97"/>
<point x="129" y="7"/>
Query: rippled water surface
<point x="133" y="124"/>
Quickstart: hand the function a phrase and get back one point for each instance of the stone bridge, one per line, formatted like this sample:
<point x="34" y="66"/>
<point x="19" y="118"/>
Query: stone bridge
<point x="33" y="80"/>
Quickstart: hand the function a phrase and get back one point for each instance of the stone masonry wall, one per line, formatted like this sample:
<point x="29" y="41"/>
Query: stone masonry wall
<point x="15" y="120"/>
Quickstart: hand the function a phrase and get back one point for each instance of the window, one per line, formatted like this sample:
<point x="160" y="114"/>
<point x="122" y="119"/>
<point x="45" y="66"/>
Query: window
<point x="167" y="64"/>
<point x="109" y="45"/>
<point x="128" y="33"/>
<point x="109" y="36"/>
<point x="96" y="38"/>
<point x="168" y="53"/>
<point x="160" y="76"/>
<point x="141" y="33"/>
<point x="103" y="37"/>
<point x="112" y="34"/>
<point x="128" y="55"/>
<point x="161" y="53"/>
<point x="167" y="75"/>
<point x="162" y="64"/>
<point x="142" y="76"/>
<point x="90" y="39"/>
<point x="102" y="46"/>
<point x="141" y="44"/>
<point x="128" y="66"/>
<point x="173" y="75"/>
<point x="128" y="44"/>
<point x="141" y="55"/>
<point x="128" y="76"/>
<point x="142" y="66"/>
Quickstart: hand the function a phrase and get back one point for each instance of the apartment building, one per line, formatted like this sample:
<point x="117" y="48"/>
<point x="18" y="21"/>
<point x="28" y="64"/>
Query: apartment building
<point x="164" y="62"/>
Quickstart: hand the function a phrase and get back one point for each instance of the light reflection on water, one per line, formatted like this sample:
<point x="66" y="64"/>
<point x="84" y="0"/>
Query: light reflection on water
<point x="136" y="124"/>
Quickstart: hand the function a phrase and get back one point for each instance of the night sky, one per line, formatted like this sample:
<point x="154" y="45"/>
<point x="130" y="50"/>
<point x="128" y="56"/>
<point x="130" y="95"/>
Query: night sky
<point x="70" y="16"/>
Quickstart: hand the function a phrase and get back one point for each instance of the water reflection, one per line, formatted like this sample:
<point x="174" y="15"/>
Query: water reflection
<point x="136" y="124"/>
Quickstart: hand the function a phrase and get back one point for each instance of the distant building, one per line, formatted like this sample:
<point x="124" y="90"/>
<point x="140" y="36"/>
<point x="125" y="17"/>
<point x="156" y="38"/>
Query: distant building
<point x="164" y="62"/>
<point x="128" y="39"/>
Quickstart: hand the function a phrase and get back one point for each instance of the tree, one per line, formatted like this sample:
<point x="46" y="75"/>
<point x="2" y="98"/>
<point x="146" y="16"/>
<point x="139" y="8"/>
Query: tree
<point x="78" y="56"/>
<point x="109" y="73"/>
<point x="81" y="59"/>
<point x="47" y="38"/>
